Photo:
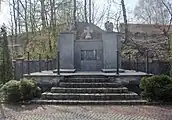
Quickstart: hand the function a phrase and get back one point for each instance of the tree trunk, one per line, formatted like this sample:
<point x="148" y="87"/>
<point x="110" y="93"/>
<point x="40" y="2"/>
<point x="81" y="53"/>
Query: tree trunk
<point x="52" y="14"/>
<point x="125" y="21"/>
<point x="34" y="16"/>
<point x="15" y="25"/>
<point x="89" y="11"/>
<point x="74" y="14"/>
<point x="12" y="32"/>
<point x="51" y="24"/>
<point x="43" y="14"/>
<point x="31" y="16"/>
<point x="52" y="21"/>
<point x="55" y="19"/>
<point x="26" y="24"/>
<point x="85" y="11"/>
<point x="18" y="16"/>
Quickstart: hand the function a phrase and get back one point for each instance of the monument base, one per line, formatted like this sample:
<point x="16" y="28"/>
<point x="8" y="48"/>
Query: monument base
<point x="112" y="70"/>
<point x="65" y="71"/>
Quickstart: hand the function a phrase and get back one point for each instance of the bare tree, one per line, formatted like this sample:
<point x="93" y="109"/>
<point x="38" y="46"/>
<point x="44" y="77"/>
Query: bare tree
<point x="52" y="22"/>
<point x="151" y="12"/>
<point x="158" y="44"/>
<point x="74" y="13"/>
<point x="18" y="17"/>
<point x="12" y="31"/>
<point x="31" y="17"/>
<point x="41" y="21"/>
<point x="125" y="20"/>
<point x="26" y="23"/>
<point x="85" y="10"/>
<point x="90" y="11"/>
<point x="43" y="14"/>
<point x="15" y="23"/>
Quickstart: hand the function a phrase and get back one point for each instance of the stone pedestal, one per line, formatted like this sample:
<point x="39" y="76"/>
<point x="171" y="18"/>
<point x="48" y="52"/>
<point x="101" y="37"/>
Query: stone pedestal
<point x="66" y="47"/>
<point x="110" y="46"/>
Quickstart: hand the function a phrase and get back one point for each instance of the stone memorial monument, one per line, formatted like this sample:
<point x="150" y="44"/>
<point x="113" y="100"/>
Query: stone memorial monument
<point x="91" y="49"/>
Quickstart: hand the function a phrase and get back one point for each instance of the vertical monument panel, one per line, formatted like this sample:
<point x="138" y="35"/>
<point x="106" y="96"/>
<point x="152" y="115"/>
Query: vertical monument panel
<point x="109" y="50"/>
<point x="66" y="47"/>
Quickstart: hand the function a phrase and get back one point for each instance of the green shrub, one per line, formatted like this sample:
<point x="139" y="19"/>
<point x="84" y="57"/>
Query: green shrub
<point x="11" y="91"/>
<point x="157" y="88"/>
<point x="28" y="89"/>
<point x="38" y="92"/>
<point x="16" y="91"/>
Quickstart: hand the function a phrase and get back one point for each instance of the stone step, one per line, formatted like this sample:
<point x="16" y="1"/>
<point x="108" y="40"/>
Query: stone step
<point x="86" y="80"/>
<point x="88" y="90"/>
<point x="85" y="75"/>
<point x="79" y="96"/>
<point x="89" y="85"/>
<point x="90" y="102"/>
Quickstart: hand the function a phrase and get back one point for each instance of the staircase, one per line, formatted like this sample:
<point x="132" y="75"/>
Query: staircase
<point x="89" y="90"/>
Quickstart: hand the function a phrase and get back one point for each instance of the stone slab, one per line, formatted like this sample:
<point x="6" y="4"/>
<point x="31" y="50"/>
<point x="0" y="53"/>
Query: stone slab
<point x="65" y="71"/>
<point x="110" y="46"/>
<point x="83" y="96"/>
<point x="91" y="102"/>
<point x="127" y="73"/>
<point x="66" y="46"/>
<point x="89" y="90"/>
<point x="112" y="70"/>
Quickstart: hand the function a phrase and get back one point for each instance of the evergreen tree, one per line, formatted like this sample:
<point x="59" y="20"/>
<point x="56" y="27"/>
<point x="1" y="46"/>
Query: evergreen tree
<point x="6" y="64"/>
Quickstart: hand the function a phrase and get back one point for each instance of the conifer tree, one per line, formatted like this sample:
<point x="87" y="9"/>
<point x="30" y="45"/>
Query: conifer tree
<point x="6" y="64"/>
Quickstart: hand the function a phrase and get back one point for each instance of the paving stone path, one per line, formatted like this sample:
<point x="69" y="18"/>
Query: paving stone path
<point x="52" y="112"/>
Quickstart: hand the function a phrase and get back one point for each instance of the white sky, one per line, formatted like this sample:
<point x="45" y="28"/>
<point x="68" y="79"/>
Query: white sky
<point x="5" y="15"/>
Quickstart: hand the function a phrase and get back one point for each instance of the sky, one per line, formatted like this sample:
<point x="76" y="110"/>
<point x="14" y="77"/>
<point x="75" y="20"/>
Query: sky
<point x="131" y="3"/>
<point x="5" y="14"/>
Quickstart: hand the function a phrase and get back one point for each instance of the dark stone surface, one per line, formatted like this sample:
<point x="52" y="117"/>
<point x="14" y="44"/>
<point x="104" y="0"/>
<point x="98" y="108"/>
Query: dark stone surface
<point x="88" y="65"/>
<point x="66" y="48"/>
<point x="88" y="90"/>
<point x="21" y="66"/>
<point x="110" y="47"/>
<point x="90" y="102"/>
<point x="65" y="71"/>
<point x="89" y="85"/>
<point x="112" y="70"/>
<point x="84" y="96"/>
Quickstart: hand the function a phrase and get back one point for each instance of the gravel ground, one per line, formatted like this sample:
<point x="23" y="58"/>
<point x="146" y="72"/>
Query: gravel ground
<point x="53" y="112"/>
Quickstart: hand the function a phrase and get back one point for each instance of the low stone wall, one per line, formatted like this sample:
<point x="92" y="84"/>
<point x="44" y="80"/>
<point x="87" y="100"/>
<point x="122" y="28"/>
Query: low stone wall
<point x="21" y="66"/>
<point x="156" y="67"/>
